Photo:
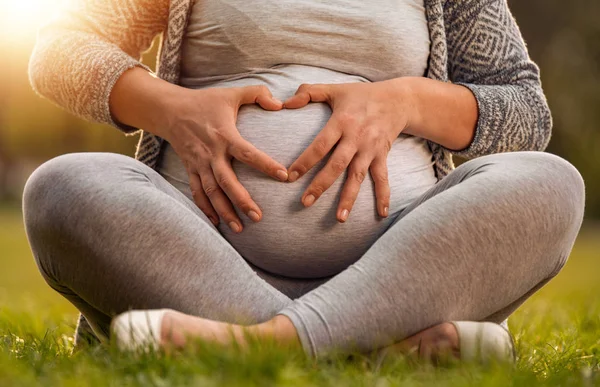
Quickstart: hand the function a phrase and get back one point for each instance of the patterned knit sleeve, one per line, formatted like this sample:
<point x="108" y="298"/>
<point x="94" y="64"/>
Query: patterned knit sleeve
<point x="81" y="54"/>
<point x="486" y="54"/>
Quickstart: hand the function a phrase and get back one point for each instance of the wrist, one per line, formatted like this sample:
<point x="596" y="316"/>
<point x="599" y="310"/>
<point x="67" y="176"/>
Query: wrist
<point x="441" y="112"/>
<point x="164" y="110"/>
<point x="406" y="96"/>
<point x="141" y="100"/>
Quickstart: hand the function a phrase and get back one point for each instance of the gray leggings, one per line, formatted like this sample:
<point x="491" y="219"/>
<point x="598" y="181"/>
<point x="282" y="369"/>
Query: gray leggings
<point x="111" y="234"/>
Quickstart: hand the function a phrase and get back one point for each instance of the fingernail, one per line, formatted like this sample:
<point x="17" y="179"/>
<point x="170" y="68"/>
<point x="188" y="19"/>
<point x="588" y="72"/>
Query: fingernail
<point x="254" y="216"/>
<point x="234" y="226"/>
<point x="344" y="215"/>
<point x="309" y="200"/>
<point x="385" y="211"/>
<point x="282" y="175"/>
<point x="294" y="176"/>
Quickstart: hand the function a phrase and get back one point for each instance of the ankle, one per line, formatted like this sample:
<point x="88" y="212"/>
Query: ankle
<point x="280" y="328"/>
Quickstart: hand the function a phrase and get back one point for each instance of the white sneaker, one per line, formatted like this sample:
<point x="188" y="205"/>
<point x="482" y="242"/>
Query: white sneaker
<point x="138" y="329"/>
<point x="484" y="342"/>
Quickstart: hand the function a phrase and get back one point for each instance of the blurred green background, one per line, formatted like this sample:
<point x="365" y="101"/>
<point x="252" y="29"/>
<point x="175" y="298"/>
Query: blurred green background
<point x="563" y="38"/>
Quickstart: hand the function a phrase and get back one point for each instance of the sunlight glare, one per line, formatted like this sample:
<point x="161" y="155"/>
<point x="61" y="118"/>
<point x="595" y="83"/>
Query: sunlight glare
<point x="20" y="19"/>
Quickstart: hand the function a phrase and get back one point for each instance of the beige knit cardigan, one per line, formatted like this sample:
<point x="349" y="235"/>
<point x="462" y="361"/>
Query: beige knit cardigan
<point x="82" y="53"/>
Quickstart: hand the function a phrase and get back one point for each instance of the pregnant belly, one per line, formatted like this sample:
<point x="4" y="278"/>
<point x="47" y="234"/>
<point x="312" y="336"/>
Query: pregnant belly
<point x="299" y="242"/>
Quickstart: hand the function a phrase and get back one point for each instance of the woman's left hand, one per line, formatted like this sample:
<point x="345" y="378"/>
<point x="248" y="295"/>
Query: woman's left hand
<point x="366" y="119"/>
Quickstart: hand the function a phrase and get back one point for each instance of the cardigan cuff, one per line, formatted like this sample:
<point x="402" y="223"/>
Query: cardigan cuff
<point x="110" y="80"/>
<point x="486" y="119"/>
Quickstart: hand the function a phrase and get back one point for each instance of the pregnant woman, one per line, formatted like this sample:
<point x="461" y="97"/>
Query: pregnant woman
<point x="333" y="220"/>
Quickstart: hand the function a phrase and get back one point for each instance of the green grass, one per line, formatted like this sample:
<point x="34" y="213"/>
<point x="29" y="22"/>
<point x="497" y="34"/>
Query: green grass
<point x="557" y="334"/>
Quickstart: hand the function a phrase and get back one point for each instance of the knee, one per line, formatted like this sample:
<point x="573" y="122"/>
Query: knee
<point x="569" y="191"/>
<point x="55" y="188"/>
<point x="44" y="208"/>
<point x="558" y="191"/>
<point x="562" y="185"/>
<point x="67" y="187"/>
<point x="46" y="187"/>
<point x="541" y="179"/>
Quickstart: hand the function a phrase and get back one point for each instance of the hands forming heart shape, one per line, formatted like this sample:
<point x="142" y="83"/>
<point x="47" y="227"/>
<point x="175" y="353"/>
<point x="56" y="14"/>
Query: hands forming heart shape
<point x="366" y="119"/>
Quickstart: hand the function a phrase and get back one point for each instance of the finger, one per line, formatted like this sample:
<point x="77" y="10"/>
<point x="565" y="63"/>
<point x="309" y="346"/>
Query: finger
<point x="261" y="95"/>
<point x="219" y="200"/>
<point x="248" y="154"/>
<point x="235" y="191"/>
<point x="379" y="174"/>
<point x="321" y="145"/>
<point x="201" y="199"/>
<point x="308" y="93"/>
<point x="359" y="167"/>
<point x="336" y="165"/>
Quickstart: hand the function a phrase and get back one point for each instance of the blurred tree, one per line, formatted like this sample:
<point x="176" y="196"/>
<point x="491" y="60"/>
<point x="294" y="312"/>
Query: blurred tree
<point x="563" y="39"/>
<point x="4" y="167"/>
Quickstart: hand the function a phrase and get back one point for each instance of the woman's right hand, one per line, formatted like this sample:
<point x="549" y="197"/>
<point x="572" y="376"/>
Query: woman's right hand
<point x="201" y="128"/>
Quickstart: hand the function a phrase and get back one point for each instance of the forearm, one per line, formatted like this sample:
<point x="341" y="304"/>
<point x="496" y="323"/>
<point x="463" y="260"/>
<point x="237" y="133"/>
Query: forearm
<point x="437" y="111"/>
<point x="141" y="100"/>
<point x="81" y="52"/>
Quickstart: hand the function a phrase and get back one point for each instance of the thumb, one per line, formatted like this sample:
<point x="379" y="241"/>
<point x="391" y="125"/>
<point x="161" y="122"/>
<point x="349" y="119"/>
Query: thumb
<point x="309" y="93"/>
<point x="261" y="95"/>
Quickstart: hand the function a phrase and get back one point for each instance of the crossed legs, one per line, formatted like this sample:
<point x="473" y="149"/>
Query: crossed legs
<point x="110" y="234"/>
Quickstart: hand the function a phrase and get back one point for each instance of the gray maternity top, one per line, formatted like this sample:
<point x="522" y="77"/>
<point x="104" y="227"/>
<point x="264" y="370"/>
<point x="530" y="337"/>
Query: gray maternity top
<point x="282" y="44"/>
